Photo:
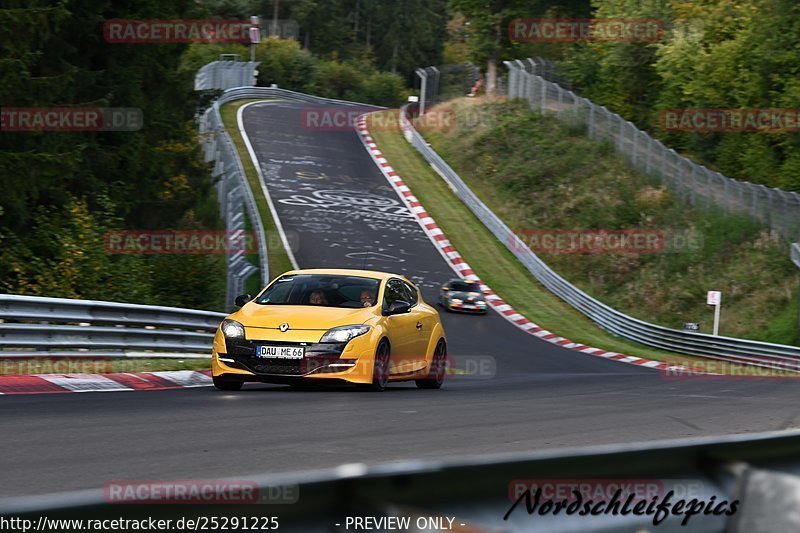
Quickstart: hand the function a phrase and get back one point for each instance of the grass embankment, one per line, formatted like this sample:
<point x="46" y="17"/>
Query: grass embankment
<point x="278" y="259"/>
<point x="537" y="173"/>
<point x="489" y="257"/>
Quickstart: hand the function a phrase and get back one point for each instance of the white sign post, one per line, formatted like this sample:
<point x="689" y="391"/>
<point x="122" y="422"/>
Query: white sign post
<point x="715" y="298"/>
<point x="255" y="37"/>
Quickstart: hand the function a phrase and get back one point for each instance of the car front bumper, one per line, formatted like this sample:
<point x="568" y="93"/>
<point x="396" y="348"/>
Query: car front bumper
<point x="466" y="307"/>
<point x="349" y="362"/>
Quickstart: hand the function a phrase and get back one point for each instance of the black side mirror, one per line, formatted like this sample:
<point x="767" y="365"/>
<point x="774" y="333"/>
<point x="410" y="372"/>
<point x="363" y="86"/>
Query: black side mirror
<point x="397" y="307"/>
<point x="242" y="299"/>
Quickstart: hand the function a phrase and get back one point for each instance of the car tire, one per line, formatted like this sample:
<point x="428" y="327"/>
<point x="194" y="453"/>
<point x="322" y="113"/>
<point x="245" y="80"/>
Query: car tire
<point x="380" y="369"/>
<point x="227" y="384"/>
<point x="438" y="368"/>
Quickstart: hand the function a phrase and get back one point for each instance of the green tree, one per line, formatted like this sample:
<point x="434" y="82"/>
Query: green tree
<point x="61" y="190"/>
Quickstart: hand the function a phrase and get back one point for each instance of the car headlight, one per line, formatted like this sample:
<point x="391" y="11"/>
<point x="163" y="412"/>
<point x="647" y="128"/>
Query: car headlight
<point x="456" y="301"/>
<point x="232" y="329"/>
<point x="344" y="333"/>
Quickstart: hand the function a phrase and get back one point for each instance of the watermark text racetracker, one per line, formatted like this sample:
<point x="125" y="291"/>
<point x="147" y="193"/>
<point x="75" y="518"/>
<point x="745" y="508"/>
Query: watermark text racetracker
<point x="70" y="119"/>
<point x="136" y="31"/>
<point x="708" y="120"/>
<point x="198" y="492"/>
<point x="768" y="368"/>
<point x="606" y="241"/>
<point x="328" y="119"/>
<point x="119" y="31"/>
<point x="581" y="30"/>
<point x="62" y="365"/>
<point x="180" y="242"/>
<point x="150" y="242"/>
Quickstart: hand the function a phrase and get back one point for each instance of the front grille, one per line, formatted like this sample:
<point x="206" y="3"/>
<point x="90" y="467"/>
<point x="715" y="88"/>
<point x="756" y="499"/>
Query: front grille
<point x="273" y="366"/>
<point x="317" y="356"/>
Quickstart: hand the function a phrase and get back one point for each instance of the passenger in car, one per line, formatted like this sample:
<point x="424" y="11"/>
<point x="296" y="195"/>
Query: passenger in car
<point x="317" y="298"/>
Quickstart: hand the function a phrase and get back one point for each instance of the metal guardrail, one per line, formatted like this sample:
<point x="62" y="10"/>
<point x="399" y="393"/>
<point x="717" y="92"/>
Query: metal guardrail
<point x="241" y="93"/>
<point x="760" y="471"/>
<point x="234" y="193"/>
<point x="696" y="184"/>
<point x="756" y="353"/>
<point x="225" y="75"/>
<point x="35" y="326"/>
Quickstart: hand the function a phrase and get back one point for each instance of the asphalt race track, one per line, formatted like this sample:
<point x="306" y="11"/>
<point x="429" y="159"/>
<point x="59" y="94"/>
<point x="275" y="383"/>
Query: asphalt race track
<point x="338" y="210"/>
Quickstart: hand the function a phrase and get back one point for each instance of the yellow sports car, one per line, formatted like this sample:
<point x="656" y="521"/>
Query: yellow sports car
<point x="314" y="326"/>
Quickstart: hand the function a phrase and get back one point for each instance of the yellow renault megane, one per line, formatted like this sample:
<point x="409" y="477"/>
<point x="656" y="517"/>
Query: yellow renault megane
<point x="315" y="326"/>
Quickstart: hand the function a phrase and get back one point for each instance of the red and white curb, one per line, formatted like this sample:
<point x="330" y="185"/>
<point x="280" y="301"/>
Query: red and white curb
<point x="457" y="263"/>
<point x="60" y="383"/>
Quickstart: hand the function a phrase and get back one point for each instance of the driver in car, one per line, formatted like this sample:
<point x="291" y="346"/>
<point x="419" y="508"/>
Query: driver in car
<point x="366" y="298"/>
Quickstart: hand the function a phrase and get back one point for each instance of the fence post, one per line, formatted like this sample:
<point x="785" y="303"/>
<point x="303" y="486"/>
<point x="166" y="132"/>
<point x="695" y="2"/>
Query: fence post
<point x="560" y="98"/>
<point x="770" y="212"/>
<point x="435" y="89"/>
<point x="423" y="77"/>
<point x="533" y="65"/>
<point x="726" y="192"/>
<point x="526" y="82"/>
<point x="521" y="79"/>
<point x="530" y="96"/>
<point x="742" y="206"/>
<point x="695" y="182"/>
<point x="543" y="101"/>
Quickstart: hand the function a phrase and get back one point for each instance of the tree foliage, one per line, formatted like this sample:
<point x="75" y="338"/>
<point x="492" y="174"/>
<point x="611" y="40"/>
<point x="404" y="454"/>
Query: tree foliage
<point x="63" y="190"/>
<point x="397" y="36"/>
<point x="285" y="63"/>
<point x="724" y="54"/>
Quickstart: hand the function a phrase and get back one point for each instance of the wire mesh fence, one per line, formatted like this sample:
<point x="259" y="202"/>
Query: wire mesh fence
<point x="689" y="181"/>
<point x="442" y="83"/>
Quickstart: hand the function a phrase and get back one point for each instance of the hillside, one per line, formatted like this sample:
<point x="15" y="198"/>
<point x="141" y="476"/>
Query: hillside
<point x="539" y="175"/>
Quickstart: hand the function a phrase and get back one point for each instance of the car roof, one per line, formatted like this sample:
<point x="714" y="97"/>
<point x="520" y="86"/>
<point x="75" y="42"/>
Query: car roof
<point x="346" y="272"/>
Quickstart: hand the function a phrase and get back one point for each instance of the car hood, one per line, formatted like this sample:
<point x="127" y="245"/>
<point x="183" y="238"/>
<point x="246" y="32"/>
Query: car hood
<point x="301" y="316"/>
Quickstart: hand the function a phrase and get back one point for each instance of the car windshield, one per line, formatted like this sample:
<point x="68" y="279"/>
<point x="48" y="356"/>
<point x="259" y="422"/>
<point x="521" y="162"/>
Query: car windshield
<point x="322" y="290"/>
<point x="465" y="286"/>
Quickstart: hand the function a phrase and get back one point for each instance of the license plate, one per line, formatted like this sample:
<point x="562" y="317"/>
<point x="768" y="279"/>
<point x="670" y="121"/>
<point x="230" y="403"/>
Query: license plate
<point x="280" y="352"/>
